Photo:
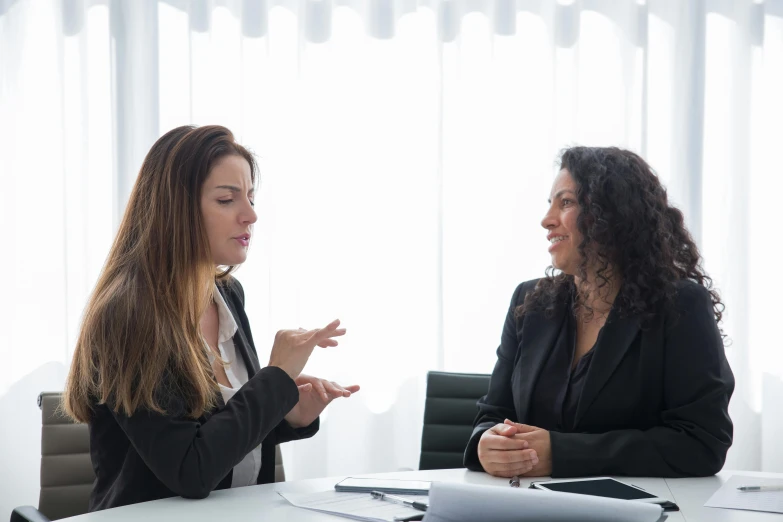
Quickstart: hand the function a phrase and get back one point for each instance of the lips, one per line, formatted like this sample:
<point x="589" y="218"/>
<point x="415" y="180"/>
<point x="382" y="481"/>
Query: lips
<point x="554" y="240"/>
<point x="243" y="239"/>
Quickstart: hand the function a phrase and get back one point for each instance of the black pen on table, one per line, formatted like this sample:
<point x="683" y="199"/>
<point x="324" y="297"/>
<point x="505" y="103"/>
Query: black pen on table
<point x="514" y="481"/>
<point x="760" y="488"/>
<point x="421" y="506"/>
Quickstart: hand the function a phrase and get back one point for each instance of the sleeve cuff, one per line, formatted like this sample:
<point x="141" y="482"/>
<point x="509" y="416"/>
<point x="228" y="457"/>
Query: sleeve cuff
<point x="570" y="458"/>
<point x="286" y="433"/>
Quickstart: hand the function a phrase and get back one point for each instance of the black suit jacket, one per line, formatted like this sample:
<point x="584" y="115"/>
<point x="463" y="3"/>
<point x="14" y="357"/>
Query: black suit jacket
<point x="149" y="456"/>
<point x="655" y="399"/>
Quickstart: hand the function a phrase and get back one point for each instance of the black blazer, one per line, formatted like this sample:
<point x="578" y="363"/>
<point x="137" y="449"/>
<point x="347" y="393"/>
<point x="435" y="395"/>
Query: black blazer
<point x="149" y="456"/>
<point x="655" y="399"/>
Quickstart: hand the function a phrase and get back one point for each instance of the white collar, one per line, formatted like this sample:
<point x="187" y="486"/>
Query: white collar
<point x="227" y="326"/>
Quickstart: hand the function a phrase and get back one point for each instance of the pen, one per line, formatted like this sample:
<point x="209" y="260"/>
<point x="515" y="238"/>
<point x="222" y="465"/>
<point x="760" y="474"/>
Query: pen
<point x="514" y="481"/>
<point x="760" y="488"/>
<point x="421" y="506"/>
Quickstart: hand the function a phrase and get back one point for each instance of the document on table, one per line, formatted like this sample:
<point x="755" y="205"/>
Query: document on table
<point x="451" y="502"/>
<point x="357" y="506"/>
<point x="469" y="502"/>
<point x="729" y="497"/>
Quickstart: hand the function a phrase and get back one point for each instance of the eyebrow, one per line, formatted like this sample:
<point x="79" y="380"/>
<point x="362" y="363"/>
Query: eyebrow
<point x="233" y="188"/>
<point x="560" y="193"/>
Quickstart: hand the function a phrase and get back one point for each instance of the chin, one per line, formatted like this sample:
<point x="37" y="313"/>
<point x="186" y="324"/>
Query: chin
<point x="230" y="260"/>
<point x="562" y="267"/>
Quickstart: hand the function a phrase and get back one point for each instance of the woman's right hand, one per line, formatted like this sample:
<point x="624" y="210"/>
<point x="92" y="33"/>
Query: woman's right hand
<point x="503" y="456"/>
<point x="292" y="348"/>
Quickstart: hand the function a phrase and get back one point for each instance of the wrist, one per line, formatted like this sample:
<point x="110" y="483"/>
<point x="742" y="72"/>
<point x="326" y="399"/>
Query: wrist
<point x="293" y="421"/>
<point x="288" y="372"/>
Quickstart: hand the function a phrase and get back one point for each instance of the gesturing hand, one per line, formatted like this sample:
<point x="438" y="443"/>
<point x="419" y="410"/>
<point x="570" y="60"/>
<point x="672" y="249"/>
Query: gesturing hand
<point x="314" y="395"/>
<point x="292" y="348"/>
<point x="502" y="455"/>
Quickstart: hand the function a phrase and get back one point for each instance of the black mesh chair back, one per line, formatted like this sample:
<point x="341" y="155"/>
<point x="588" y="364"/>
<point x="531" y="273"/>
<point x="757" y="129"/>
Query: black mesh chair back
<point x="449" y="412"/>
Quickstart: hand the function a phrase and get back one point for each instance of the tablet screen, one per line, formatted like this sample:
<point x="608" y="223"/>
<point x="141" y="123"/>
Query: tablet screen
<point x="599" y="488"/>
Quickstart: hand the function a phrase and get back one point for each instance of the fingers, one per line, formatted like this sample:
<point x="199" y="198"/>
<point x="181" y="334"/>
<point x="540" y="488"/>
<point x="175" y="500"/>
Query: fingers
<point x="520" y="428"/>
<point x="503" y="430"/>
<point x="500" y="443"/>
<point x="509" y="463"/>
<point x="305" y="388"/>
<point x="512" y="459"/>
<point x="323" y="336"/>
<point x="341" y="391"/>
<point x="502" y="454"/>
<point x="336" y="390"/>
<point x="527" y="470"/>
<point x="319" y="387"/>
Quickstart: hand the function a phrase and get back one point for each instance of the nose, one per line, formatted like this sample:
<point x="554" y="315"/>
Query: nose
<point x="249" y="216"/>
<point x="550" y="219"/>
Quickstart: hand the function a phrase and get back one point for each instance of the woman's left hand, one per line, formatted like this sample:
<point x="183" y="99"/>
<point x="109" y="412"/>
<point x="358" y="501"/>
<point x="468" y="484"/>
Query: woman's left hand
<point x="314" y="395"/>
<point x="538" y="439"/>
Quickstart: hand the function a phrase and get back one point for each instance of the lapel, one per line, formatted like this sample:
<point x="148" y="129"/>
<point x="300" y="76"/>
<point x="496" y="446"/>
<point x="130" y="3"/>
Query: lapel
<point x="537" y="338"/>
<point x="243" y="346"/>
<point x="613" y="342"/>
<point x="240" y="341"/>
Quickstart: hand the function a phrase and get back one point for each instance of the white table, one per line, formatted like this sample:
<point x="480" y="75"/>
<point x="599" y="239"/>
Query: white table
<point x="263" y="502"/>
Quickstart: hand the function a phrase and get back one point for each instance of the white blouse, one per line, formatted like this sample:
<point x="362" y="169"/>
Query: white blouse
<point x="246" y="472"/>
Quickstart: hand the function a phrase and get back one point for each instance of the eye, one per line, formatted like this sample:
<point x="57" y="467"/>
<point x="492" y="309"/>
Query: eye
<point x="252" y="203"/>
<point x="567" y="202"/>
<point x="225" y="201"/>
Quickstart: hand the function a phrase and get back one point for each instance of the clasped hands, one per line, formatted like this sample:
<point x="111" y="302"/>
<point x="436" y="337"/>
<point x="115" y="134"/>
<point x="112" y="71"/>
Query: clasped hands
<point x="290" y="352"/>
<point x="513" y="449"/>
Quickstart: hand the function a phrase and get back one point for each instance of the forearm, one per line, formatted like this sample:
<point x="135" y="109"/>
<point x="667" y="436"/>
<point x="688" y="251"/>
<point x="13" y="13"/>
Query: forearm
<point x="284" y="432"/>
<point x="190" y="457"/>
<point x="657" y="452"/>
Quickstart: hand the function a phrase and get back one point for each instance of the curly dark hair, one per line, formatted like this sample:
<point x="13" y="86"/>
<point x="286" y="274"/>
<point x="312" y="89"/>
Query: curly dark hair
<point x="629" y="228"/>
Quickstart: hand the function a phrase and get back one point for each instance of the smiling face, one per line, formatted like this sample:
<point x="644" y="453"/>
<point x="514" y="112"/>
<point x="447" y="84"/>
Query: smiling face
<point x="227" y="209"/>
<point x="560" y="223"/>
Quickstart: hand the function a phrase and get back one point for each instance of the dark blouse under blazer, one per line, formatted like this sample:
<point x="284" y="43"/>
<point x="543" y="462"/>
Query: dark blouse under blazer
<point x="149" y="456"/>
<point x="655" y="399"/>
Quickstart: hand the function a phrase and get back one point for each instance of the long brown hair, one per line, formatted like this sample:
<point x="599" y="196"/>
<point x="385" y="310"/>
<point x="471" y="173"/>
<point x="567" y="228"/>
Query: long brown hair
<point x="140" y="328"/>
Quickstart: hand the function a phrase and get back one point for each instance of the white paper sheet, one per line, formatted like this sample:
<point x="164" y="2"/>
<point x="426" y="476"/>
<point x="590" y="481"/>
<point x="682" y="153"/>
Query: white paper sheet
<point x="729" y="497"/>
<point x="357" y="506"/>
<point x="468" y="503"/>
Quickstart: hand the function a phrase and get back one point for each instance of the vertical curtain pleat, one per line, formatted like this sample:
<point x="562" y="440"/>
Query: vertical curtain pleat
<point x="407" y="149"/>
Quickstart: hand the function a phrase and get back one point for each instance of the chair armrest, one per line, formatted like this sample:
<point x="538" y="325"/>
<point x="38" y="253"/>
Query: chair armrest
<point x="27" y="514"/>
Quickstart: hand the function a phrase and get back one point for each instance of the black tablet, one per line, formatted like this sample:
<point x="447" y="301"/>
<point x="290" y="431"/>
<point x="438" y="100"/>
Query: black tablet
<point x="604" y="487"/>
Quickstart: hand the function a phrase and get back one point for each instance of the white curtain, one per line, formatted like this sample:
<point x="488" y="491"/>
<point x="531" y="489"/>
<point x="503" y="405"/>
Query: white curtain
<point x="407" y="150"/>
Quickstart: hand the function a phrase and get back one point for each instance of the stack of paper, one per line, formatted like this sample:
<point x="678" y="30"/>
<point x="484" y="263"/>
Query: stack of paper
<point x="466" y="502"/>
<point x="357" y="506"/>
<point x="729" y="497"/>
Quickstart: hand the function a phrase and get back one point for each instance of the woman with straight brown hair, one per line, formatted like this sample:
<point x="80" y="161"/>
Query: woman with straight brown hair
<point x="165" y="370"/>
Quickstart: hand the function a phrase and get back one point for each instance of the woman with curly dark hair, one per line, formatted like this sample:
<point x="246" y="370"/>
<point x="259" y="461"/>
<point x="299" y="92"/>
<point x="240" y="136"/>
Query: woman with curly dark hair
<point x="613" y="364"/>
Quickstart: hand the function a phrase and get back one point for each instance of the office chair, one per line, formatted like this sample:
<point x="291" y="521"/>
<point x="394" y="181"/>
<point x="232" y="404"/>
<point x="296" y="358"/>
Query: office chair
<point x="66" y="469"/>
<point x="449" y="412"/>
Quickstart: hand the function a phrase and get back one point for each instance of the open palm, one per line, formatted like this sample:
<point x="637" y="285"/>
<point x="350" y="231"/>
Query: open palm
<point x="314" y="396"/>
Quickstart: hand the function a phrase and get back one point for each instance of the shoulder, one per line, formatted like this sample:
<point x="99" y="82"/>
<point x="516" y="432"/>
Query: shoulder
<point x="692" y="307"/>
<point x="232" y="290"/>
<point x="691" y="295"/>
<point x="522" y="290"/>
